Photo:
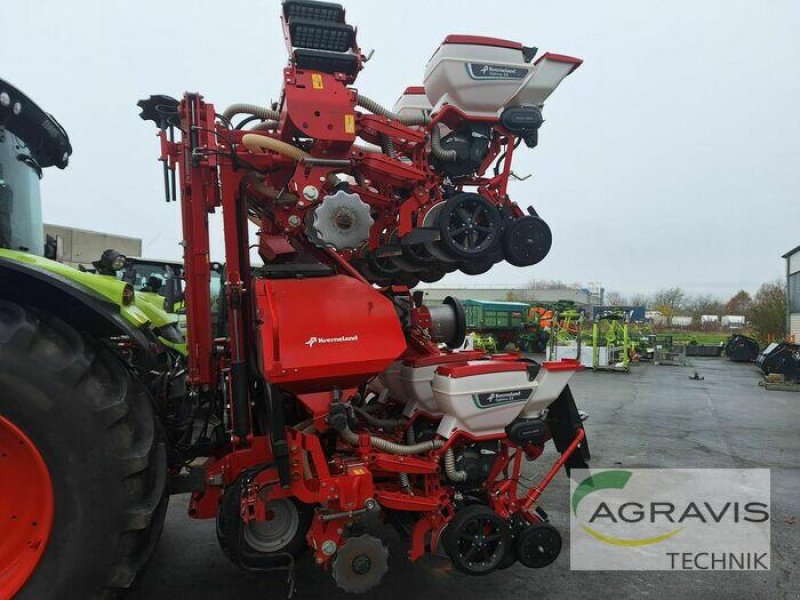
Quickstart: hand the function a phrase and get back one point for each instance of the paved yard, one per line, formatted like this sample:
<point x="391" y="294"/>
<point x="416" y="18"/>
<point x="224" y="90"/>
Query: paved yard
<point x="652" y="417"/>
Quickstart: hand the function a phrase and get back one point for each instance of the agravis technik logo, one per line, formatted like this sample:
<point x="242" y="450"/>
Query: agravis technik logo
<point x="611" y="480"/>
<point x="665" y="519"/>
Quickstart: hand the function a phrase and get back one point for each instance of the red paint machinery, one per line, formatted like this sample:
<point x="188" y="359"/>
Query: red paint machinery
<point x="336" y="392"/>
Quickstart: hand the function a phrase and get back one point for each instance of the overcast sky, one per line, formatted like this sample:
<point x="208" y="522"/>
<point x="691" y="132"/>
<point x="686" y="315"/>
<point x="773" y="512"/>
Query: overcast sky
<point x="671" y="157"/>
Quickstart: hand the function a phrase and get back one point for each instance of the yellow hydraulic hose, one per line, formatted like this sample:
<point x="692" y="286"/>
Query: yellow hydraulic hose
<point x="257" y="144"/>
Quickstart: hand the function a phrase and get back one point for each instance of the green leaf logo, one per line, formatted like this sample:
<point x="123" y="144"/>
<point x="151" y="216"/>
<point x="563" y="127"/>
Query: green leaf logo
<point x="616" y="480"/>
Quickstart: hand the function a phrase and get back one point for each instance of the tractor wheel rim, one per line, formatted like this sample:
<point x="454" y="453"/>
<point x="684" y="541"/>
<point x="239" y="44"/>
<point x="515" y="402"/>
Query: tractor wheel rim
<point x="26" y="507"/>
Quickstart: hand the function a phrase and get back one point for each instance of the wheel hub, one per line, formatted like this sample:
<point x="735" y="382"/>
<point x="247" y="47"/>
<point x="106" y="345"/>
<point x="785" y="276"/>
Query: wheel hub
<point x="469" y="224"/>
<point x="538" y="545"/>
<point x="26" y="507"/>
<point x="277" y="530"/>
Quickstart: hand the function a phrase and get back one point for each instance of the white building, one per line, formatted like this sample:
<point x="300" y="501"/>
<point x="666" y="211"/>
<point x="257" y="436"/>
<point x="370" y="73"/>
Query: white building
<point x="82" y="247"/>
<point x="682" y="321"/>
<point x="733" y="321"/>
<point x="583" y="297"/>
<point x="793" y="294"/>
<point x="655" y="317"/>
<point x="709" y="320"/>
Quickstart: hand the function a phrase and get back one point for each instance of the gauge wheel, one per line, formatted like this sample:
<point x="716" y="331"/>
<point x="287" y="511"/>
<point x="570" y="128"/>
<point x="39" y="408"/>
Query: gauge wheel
<point x="476" y="540"/>
<point x="470" y="226"/>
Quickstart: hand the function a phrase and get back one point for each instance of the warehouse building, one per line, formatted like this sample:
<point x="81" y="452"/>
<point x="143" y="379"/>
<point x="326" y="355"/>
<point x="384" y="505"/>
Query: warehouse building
<point x="793" y="294"/>
<point x="82" y="247"/>
<point x="582" y="297"/>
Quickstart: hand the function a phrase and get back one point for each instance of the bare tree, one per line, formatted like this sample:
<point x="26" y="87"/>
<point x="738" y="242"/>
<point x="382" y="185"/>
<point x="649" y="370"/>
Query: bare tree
<point x="547" y="284"/>
<point x="703" y="304"/>
<point x="669" y="301"/>
<point x="640" y="299"/>
<point x="615" y="299"/>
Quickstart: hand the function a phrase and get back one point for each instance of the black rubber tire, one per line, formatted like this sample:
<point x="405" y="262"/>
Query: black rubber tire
<point x="431" y="274"/>
<point x="476" y="267"/>
<point x="418" y="254"/>
<point x="480" y="214"/>
<point x="382" y="265"/>
<point x="93" y="423"/>
<point x="527" y="241"/>
<point x="538" y="545"/>
<point x="452" y="538"/>
<point x="230" y="532"/>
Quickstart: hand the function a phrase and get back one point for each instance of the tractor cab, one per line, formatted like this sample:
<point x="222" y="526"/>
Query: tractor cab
<point x="30" y="141"/>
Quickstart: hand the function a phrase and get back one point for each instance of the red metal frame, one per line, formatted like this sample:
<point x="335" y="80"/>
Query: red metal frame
<point x="276" y="326"/>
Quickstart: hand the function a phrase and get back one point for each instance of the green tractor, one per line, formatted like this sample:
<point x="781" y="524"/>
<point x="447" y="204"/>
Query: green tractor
<point x="88" y="365"/>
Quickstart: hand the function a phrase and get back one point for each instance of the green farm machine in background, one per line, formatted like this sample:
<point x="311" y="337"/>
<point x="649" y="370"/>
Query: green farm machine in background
<point x="495" y="324"/>
<point x="534" y="328"/>
<point x="611" y="342"/>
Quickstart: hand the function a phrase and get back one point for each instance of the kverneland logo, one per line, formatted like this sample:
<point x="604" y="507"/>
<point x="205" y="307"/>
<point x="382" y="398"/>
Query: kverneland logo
<point x="330" y="340"/>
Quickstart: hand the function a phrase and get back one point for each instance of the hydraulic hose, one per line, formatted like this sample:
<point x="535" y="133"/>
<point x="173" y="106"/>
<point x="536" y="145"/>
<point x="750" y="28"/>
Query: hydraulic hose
<point x="375" y="108"/>
<point x="376" y="421"/>
<point x="264" y="126"/>
<point x="450" y="470"/>
<point x="390" y="447"/>
<point x="251" y="109"/>
<point x="438" y="152"/>
<point x="259" y="143"/>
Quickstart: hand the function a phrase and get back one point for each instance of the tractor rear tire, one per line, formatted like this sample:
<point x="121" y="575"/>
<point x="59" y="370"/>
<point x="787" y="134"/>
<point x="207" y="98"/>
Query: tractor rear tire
<point x="80" y="415"/>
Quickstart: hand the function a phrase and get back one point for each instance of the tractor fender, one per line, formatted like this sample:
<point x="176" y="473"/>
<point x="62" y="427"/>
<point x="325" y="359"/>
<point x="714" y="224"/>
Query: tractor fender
<point x="83" y="308"/>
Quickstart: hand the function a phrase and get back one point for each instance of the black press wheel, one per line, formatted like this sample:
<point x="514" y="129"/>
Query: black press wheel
<point x="476" y="540"/>
<point x="527" y="241"/>
<point x="538" y="545"/>
<point x="475" y="267"/>
<point x="479" y="266"/>
<point x="431" y="274"/>
<point x="419" y="254"/>
<point x="382" y="265"/>
<point x="470" y="226"/>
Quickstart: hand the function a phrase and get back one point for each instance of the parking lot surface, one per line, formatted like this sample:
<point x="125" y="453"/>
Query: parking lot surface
<point x="654" y="416"/>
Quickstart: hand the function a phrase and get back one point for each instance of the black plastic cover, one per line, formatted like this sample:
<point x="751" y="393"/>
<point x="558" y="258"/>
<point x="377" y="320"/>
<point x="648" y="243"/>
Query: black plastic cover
<point x="524" y="121"/>
<point x="326" y="62"/>
<point x="527" y="431"/>
<point x="311" y="9"/>
<point x="43" y="135"/>
<point x="321" y="35"/>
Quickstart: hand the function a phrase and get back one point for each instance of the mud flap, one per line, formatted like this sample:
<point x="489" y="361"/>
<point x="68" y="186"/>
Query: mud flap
<point x="564" y="421"/>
